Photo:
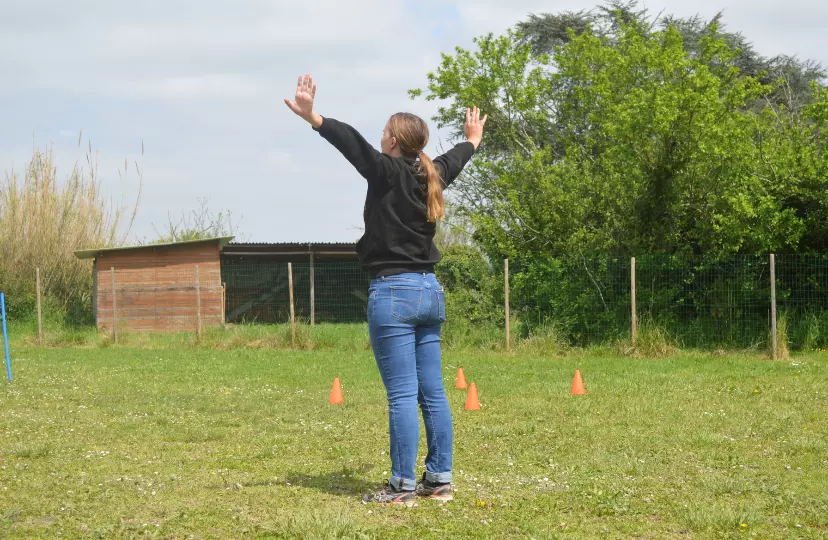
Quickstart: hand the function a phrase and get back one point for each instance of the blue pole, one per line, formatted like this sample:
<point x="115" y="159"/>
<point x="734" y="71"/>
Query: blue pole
<point x="5" y="334"/>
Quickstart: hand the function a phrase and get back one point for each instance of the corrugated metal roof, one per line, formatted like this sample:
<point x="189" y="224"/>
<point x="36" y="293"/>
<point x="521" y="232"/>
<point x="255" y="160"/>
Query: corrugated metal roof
<point x="290" y="249"/>
<point x="93" y="253"/>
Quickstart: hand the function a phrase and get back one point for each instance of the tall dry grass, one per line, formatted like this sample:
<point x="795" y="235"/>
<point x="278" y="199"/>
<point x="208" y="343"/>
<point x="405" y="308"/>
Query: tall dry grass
<point x="44" y="220"/>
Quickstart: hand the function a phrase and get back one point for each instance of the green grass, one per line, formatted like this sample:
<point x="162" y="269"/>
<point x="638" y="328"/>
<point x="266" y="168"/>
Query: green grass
<point x="350" y="337"/>
<point x="125" y="441"/>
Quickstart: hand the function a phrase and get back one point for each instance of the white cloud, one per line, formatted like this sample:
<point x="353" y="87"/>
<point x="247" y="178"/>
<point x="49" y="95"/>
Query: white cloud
<point x="208" y="86"/>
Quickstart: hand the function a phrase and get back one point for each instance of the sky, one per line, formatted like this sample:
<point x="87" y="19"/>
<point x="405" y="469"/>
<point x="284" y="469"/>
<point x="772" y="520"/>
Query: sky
<point x="202" y="82"/>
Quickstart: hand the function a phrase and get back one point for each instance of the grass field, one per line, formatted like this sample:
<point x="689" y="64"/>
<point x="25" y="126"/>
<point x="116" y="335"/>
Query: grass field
<point x="178" y="442"/>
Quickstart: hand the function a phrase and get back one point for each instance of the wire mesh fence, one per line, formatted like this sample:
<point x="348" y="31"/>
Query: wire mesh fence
<point x="696" y="302"/>
<point x="802" y="299"/>
<point x="323" y="292"/>
<point x="718" y="304"/>
<point x="589" y="300"/>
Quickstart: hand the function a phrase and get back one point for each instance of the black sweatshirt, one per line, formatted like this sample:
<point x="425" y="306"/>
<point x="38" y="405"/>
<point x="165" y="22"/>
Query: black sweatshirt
<point x="398" y="237"/>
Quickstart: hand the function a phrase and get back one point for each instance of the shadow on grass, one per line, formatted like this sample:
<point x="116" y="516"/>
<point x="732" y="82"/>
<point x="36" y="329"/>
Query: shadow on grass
<point x="346" y="482"/>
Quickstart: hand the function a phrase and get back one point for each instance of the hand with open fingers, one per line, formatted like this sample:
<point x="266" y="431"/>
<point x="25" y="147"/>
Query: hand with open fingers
<point x="302" y="103"/>
<point x="474" y="126"/>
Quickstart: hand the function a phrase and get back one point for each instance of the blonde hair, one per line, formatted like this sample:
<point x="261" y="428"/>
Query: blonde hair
<point x="411" y="133"/>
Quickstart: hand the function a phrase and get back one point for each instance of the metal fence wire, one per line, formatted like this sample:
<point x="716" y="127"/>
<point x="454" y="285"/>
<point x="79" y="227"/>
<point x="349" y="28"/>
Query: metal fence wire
<point x="802" y="299"/>
<point x="722" y="303"/>
<point x="698" y="302"/>
<point x="258" y="292"/>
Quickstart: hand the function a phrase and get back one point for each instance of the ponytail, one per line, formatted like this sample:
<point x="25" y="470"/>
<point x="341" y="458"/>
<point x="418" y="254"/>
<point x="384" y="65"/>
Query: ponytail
<point x="411" y="133"/>
<point x="434" y="199"/>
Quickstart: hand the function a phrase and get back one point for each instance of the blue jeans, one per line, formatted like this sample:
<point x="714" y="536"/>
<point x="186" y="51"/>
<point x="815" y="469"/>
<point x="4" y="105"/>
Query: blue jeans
<point x="405" y="314"/>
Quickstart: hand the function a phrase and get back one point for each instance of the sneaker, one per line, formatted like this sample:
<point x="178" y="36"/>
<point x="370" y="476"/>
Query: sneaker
<point x="390" y="495"/>
<point x="438" y="492"/>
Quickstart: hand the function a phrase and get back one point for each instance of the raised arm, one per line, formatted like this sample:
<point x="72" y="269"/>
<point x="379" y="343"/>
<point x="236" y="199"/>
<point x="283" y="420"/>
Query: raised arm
<point x="373" y="165"/>
<point x="452" y="162"/>
<point x="370" y="163"/>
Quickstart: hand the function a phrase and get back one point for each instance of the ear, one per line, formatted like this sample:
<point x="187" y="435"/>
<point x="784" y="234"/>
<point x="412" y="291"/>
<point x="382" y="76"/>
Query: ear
<point x="393" y="142"/>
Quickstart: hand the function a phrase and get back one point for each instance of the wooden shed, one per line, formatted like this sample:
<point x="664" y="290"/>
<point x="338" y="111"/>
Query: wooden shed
<point x="158" y="288"/>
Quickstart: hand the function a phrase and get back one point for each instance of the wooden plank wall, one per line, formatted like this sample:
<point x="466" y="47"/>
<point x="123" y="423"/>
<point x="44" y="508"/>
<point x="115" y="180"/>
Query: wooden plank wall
<point x="155" y="288"/>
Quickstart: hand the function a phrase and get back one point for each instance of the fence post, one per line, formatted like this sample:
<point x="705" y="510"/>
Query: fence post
<point x="773" y="305"/>
<point x="223" y="303"/>
<point x="95" y="293"/>
<point x="198" y="303"/>
<point x="5" y="335"/>
<point x="114" y="306"/>
<point x="312" y="293"/>
<point x="634" y="310"/>
<point x="39" y="313"/>
<point x="508" y="315"/>
<point x="292" y="314"/>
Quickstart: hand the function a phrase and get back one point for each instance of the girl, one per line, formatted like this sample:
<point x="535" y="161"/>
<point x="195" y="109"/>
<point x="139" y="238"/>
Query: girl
<point x="406" y="305"/>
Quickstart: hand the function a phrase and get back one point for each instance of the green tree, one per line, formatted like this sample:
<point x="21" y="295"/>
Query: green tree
<point x="629" y="144"/>
<point x="791" y="152"/>
<point x="626" y="138"/>
<point x="454" y="229"/>
<point x="547" y="31"/>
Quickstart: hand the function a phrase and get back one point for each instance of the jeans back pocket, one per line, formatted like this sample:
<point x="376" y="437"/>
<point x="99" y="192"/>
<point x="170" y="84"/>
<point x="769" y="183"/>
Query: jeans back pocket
<point x="406" y="302"/>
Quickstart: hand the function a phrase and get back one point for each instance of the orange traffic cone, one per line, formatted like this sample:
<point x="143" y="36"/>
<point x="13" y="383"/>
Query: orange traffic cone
<point x="461" y="380"/>
<point x="472" y="403"/>
<point x="578" y="384"/>
<point x="336" y="393"/>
